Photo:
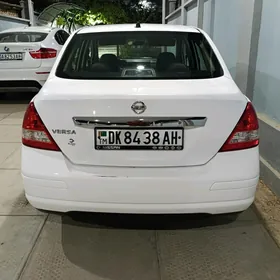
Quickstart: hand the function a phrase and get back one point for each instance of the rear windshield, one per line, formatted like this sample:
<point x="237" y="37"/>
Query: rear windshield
<point x="22" y="37"/>
<point x="139" y="55"/>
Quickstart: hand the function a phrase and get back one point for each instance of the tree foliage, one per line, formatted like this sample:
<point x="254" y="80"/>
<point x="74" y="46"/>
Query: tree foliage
<point x="145" y="11"/>
<point x="110" y="12"/>
<point x="95" y="15"/>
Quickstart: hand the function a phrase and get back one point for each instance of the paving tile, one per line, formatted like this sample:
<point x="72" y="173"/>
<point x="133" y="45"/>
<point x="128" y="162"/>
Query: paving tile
<point x="6" y="150"/>
<point x="72" y="250"/>
<point x="12" y="108"/>
<point x="7" y="109"/>
<point x="241" y="250"/>
<point x="10" y="133"/>
<point x="14" y="118"/>
<point x="12" y="198"/>
<point x="13" y="161"/>
<point x="3" y="115"/>
<point x="17" y="238"/>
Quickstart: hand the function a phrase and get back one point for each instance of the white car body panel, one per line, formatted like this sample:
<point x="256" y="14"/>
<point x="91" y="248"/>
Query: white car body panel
<point x="28" y="69"/>
<point x="198" y="179"/>
<point x="226" y="184"/>
<point x="210" y="98"/>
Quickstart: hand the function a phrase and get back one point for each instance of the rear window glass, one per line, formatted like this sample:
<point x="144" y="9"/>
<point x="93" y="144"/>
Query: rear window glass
<point x="22" y="37"/>
<point x="139" y="55"/>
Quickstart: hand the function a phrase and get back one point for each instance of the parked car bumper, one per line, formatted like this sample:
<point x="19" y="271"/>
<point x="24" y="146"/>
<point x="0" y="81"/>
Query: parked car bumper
<point x="225" y="184"/>
<point x="23" y="79"/>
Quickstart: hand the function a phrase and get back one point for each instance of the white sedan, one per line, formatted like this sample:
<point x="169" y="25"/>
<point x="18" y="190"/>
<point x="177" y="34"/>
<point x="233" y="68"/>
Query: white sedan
<point x="27" y="55"/>
<point x="140" y="119"/>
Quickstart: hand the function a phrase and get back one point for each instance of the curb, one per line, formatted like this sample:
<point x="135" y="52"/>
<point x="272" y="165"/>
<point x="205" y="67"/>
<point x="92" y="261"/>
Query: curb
<point x="267" y="205"/>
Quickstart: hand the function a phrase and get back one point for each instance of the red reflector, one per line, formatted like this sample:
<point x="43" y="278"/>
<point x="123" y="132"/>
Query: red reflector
<point x="34" y="132"/>
<point x="43" y="53"/>
<point x="246" y="133"/>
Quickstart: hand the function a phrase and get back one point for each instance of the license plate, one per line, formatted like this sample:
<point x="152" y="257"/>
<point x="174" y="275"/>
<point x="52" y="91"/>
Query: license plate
<point x="11" y="56"/>
<point x="162" y="139"/>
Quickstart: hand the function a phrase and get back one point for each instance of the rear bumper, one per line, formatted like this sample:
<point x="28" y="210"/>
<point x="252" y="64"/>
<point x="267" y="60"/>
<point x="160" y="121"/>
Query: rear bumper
<point x="226" y="184"/>
<point x="211" y="208"/>
<point x="15" y="86"/>
<point x="23" y="79"/>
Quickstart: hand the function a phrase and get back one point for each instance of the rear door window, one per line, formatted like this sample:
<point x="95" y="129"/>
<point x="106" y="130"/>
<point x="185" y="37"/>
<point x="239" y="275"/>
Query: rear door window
<point x="22" y="37"/>
<point x="139" y="55"/>
<point x="64" y="35"/>
<point x="61" y="37"/>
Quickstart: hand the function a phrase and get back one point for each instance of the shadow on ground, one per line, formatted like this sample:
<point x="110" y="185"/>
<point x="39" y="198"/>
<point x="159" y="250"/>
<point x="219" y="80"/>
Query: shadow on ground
<point x="124" y="247"/>
<point x="16" y="98"/>
<point x="147" y="222"/>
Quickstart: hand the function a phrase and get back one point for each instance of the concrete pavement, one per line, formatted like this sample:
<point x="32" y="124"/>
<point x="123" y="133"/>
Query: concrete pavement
<point x="35" y="245"/>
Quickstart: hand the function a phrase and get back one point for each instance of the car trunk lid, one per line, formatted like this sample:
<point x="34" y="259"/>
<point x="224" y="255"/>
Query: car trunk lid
<point x="17" y="55"/>
<point x="212" y="107"/>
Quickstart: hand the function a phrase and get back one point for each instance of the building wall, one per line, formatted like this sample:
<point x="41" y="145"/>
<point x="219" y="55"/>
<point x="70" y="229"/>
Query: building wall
<point x="191" y="14"/>
<point x="176" y="19"/>
<point x="9" y="22"/>
<point x="217" y="13"/>
<point x="267" y="80"/>
<point x="247" y="35"/>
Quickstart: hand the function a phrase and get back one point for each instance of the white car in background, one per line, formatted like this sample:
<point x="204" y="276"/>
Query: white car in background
<point x="27" y="55"/>
<point x="155" y="125"/>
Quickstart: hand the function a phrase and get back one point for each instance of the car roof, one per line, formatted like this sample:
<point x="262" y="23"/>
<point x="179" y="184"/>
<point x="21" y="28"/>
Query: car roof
<point x="44" y="29"/>
<point x="132" y="27"/>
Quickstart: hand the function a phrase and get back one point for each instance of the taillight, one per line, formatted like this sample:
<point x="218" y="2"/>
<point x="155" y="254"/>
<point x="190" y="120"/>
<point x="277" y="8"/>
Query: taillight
<point x="43" y="53"/>
<point x="246" y="133"/>
<point x="34" y="132"/>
